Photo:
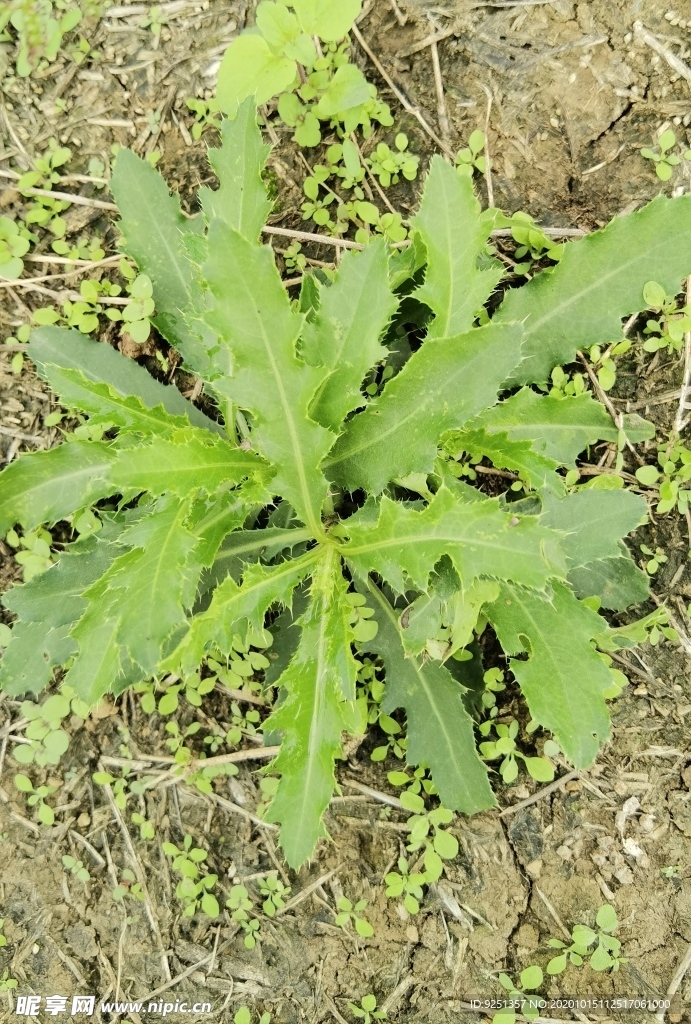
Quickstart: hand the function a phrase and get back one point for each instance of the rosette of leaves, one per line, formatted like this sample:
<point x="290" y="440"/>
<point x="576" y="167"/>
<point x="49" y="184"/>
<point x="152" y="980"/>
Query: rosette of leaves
<point x="283" y="56"/>
<point x="313" y="490"/>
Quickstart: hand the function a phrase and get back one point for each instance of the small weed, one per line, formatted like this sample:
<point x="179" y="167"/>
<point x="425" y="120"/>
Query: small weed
<point x="665" y="161"/>
<point x="409" y="886"/>
<point x="146" y="828"/>
<point x="205" y="115"/>
<point x="194" y="889"/>
<point x="367" y="1010"/>
<point x="33" y="551"/>
<point x="602" y="957"/>
<point x="7" y="983"/>
<point x="76" y="867"/>
<point x="240" y="906"/>
<point x="39" y="26"/>
<point x="671" y="872"/>
<point x="3" y="940"/>
<point x="415" y="783"/>
<point x="674" y="320"/>
<point x="274" y="892"/>
<point x="473" y="158"/>
<point x="389" y="165"/>
<point x="522" y="994"/>
<point x="656" y="558"/>
<point x="14" y="244"/>
<point x="128" y="886"/>
<point x="244" y="1016"/>
<point x="348" y="912"/>
<point x="539" y="768"/>
<point x="154" y="20"/>
<point x="48" y="741"/>
<point x="671" y="480"/>
<point x="36" y="798"/>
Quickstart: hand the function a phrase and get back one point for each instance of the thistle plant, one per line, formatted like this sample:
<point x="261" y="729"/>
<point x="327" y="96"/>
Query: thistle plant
<point x="301" y="489"/>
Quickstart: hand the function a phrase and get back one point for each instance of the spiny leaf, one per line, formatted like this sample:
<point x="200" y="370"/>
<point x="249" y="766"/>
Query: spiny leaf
<point x="439" y="729"/>
<point x="563" y="678"/>
<point x="155" y="232"/>
<point x="143" y="589"/>
<point x="233" y="605"/>
<point x="480" y="539"/>
<point x="244" y="546"/>
<point x="188" y="460"/>
<point x="455" y="235"/>
<point x="101" y="667"/>
<point x="504" y="453"/>
<point x="254" y="317"/>
<point x="311" y="715"/>
<point x="44" y="487"/>
<point x="57" y="349"/>
<point x="442" y="386"/>
<point x="593" y="522"/>
<point x="344" y="335"/>
<point x="600" y="280"/>
<point x="558" y="428"/>
<point x="33" y="652"/>
<point x="240" y="199"/>
<point x="617" y="581"/>
<point x="104" y="405"/>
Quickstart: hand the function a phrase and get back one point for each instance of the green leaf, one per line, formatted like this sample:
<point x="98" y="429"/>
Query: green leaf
<point x="504" y="453"/>
<point x="556" y="635"/>
<point x="617" y="581"/>
<point x="441" y="387"/>
<point x="231" y="606"/>
<point x="599" y="280"/>
<point x="310" y="717"/>
<point x="531" y="978"/>
<point x="455" y="235"/>
<point x="440" y="730"/>
<point x="240" y="200"/>
<point x="348" y="88"/>
<point x="593" y="522"/>
<point x="479" y="537"/>
<point x="47" y="486"/>
<point x="253" y="313"/>
<point x="156" y="231"/>
<point x="607" y="918"/>
<point x="325" y="19"/>
<point x="344" y="335"/>
<point x="249" y="68"/>
<point x="62" y="356"/>
<point x="558" y="428"/>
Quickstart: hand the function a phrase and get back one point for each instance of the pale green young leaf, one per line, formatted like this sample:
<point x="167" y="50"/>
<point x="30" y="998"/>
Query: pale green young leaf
<point x="558" y="428"/>
<point x="311" y="716"/>
<point x="326" y="19"/>
<point x="479" y="538"/>
<point x="156" y="231"/>
<point x="563" y="678"/>
<point x="57" y="349"/>
<point x="617" y="581"/>
<point x="254" y="317"/>
<point x="599" y="280"/>
<point x="442" y="386"/>
<point x="233" y="606"/>
<point x="439" y="729"/>
<point x="455" y="234"/>
<point x="344" y="334"/>
<point x="240" y="199"/>
<point x="249" y="68"/>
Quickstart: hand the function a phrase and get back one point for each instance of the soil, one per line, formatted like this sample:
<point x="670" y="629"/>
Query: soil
<point x="569" y="94"/>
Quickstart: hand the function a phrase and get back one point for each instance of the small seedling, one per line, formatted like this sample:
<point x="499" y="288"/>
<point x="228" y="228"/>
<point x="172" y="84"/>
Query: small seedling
<point x="240" y="906"/>
<point x="76" y="868"/>
<point x="565" y="385"/>
<point x="473" y="158"/>
<point x="441" y="845"/>
<point x="3" y="940"/>
<point x="36" y="798"/>
<point x="348" y="911"/>
<point x="396" y="742"/>
<point x="128" y="886"/>
<point x="656" y="558"/>
<point x="33" y="551"/>
<point x="7" y="983"/>
<point x="274" y="892"/>
<point x="244" y="1016"/>
<point x="205" y="115"/>
<point x="671" y="480"/>
<point x="367" y="1010"/>
<point x="417" y="782"/>
<point x="409" y="886"/>
<point x="48" y="741"/>
<point x="390" y="165"/>
<point x="602" y="957"/>
<point x="39" y="28"/>
<point x="522" y="994"/>
<point x="194" y="889"/>
<point x="671" y="872"/>
<point x="665" y="161"/>
<point x="146" y="828"/>
<point x="539" y="768"/>
<point x="14" y="244"/>
<point x="674" y="320"/>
